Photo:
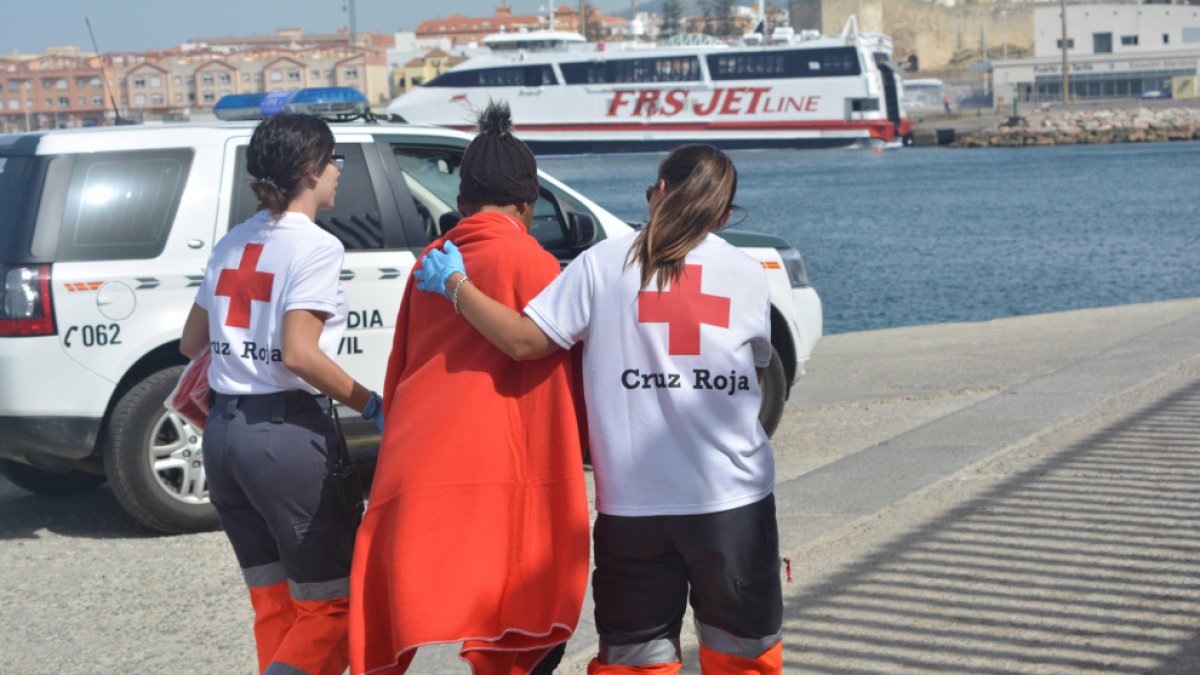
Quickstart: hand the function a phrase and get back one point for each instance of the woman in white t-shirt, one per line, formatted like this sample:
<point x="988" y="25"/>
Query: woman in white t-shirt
<point x="676" y="330"/>
<point x="272" y="310"/>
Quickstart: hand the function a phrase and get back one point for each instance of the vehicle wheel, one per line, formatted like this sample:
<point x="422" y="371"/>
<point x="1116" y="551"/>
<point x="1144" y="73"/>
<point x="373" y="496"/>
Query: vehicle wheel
<point x="49" y="483"/>
<point x="774" y="394"/>
<point x="155" y="462"/>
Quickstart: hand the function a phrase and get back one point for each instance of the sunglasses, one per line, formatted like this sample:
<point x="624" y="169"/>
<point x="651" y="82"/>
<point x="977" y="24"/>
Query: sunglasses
<point x="338" y="161"/>
<point x="650" y="192"/>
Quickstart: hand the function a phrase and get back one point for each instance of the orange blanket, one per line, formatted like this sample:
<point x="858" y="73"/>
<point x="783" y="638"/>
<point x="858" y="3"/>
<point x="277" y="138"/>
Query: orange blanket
<point x="477" y="529"/>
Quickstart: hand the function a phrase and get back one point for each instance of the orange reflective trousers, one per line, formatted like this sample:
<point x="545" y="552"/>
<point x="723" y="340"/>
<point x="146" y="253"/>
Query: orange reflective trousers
<point x="307" y="635"/>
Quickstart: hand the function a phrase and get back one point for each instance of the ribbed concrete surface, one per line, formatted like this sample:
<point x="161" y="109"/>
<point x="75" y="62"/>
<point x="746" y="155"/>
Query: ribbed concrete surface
<point x="1010" y="496"/>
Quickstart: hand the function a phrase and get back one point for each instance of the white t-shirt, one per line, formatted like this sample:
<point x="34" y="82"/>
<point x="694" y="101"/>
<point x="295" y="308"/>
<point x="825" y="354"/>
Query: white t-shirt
<point x="670" y="382"/>
<point x="257" y="272"/>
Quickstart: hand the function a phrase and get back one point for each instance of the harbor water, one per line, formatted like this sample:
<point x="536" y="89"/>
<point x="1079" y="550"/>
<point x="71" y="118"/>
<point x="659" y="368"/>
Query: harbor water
<point x="929" y="235"/>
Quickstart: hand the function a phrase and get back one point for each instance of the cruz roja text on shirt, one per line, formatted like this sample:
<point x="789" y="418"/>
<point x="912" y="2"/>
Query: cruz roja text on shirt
<point x="632" y="378"/>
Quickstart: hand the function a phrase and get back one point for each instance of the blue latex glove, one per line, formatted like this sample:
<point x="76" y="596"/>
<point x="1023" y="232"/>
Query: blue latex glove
<point x="438" y="266"/>
<point x="374" y="410"/>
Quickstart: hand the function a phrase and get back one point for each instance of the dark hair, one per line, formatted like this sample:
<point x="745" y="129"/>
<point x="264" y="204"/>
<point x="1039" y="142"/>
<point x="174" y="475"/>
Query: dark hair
<point x="285" y="148"/>
<point x="701" y="182"/>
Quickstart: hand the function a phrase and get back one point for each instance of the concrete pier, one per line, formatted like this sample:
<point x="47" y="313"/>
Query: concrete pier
<point x="1017" y="495"/>
<point x="930" y="130"/>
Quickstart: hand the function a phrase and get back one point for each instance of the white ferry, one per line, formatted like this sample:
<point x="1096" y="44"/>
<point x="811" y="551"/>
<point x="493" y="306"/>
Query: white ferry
<point x="570" y="96"/>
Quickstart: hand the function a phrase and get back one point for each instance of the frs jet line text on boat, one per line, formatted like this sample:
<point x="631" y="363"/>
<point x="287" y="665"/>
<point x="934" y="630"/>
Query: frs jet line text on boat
<point x="722" y="101"/>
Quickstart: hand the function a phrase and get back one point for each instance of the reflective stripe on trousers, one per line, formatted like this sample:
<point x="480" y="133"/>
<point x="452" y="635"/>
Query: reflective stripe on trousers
<point x="746" y="656"/>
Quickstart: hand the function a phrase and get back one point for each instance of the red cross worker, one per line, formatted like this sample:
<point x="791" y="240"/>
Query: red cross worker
<point x="271" y="312"/>
<point x="675" y="326"/>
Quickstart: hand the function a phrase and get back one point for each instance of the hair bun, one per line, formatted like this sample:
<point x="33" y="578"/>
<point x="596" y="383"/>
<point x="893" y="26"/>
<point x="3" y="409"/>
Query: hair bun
<point x="495" y="120"/>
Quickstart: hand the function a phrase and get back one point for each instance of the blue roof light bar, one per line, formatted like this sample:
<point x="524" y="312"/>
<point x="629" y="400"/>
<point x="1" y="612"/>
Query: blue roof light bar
<point x="337" y="103"/>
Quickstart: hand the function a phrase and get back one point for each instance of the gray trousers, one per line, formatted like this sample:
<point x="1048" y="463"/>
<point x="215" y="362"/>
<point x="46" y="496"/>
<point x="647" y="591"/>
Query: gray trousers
<point x="268" y="458"/>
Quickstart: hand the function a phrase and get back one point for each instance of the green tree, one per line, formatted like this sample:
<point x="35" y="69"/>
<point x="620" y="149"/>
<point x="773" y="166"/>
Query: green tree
<point x="593" y="28"/>
<point x="718" y="17"/>
<point x="723" y="12"/>
<point x="672" y="17"/>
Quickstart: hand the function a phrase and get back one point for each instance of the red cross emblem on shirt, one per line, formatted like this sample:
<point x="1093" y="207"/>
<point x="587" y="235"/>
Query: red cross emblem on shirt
<point x="244" y="285"/>
<point x="683" y="307"/>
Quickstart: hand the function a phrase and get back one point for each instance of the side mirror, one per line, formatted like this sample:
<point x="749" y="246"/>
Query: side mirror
<point x="583" y="231"/>
<point x="448" y="220"/>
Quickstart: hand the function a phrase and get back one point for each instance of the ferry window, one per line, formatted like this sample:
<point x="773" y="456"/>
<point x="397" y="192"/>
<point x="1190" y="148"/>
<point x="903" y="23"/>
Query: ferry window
<point x="621" y="71"/>
<point x="355" y="219"/>
<point x="514" y="76"/>
<point x="746" y="66"/>
<point x="537" y="76"/>
<point x="840" y="62"/>
<point x="583" y="73"/>
<point x="830" y="62"/>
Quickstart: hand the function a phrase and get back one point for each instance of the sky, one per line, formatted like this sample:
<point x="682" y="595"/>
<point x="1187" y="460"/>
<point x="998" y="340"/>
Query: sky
<point x="30" y="26"/>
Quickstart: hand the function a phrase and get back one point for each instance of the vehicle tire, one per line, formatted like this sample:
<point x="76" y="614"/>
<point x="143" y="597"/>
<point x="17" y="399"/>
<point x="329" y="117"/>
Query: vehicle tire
<point x="49" y="483"/>
<point x="774" y="394"/>
<point x="155" y="461"/>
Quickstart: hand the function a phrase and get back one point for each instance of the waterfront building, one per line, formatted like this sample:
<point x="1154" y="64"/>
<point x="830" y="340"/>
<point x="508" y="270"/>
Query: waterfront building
<point x="742" y="19"/>
<point x="1114" y="51"/>
<point x="462" y="30"/>
<point x="291" y="38"/>
<point x="423" y="68"/>
<point x="65" y="87"/>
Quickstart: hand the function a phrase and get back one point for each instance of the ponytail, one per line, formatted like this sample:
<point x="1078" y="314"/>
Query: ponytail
<point x="700" y="184"/>
<point x="271" y="196"/>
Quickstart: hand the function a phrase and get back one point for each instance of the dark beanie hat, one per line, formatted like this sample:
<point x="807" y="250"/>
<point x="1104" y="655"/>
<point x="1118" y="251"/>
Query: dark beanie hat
<point x="497" y="167"/>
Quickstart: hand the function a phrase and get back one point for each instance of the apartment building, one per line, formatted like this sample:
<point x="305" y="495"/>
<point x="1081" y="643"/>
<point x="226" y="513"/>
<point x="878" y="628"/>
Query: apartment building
<point x="62" y="87"/>
<point x="66" y="88"/>
<point x="462" y="30"/>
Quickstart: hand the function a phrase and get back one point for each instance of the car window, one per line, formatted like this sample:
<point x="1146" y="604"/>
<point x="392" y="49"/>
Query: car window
<point x="431" y="176"/>
<point x="355" y="218"/>
<point x="120" y="205"/>
<point x="549" y="226"/>
<point x="21" y="181"/>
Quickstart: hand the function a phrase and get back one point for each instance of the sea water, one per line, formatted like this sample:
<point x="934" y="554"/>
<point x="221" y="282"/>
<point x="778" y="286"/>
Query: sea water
<point x="929" y="235"/>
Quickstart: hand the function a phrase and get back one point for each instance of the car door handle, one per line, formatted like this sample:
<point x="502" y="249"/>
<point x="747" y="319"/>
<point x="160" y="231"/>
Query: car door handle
<point x="195" y="243"/>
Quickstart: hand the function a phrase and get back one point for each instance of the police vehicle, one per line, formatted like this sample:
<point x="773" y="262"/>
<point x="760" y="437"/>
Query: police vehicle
<point x="104" y="236"/>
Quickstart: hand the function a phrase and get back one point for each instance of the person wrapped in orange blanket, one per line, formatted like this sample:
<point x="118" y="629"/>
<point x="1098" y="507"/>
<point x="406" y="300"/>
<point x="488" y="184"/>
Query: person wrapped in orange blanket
<point x="477" y="528"/>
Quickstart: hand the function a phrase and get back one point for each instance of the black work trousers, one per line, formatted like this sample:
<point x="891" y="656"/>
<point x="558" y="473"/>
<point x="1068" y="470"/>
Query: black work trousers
<point x="649" y="567"/>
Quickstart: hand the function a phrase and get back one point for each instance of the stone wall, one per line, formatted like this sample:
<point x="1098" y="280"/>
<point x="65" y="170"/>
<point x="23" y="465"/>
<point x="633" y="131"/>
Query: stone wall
<point x="1071" y="127"/>
<point x="936" y="33"/>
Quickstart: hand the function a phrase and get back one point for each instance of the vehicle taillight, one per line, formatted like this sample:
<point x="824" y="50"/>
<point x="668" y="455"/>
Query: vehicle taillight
<point x="26" y="308"/>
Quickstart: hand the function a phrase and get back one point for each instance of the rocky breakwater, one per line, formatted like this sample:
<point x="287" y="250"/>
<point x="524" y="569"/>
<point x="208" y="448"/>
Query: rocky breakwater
<point x="1066" y="127"/>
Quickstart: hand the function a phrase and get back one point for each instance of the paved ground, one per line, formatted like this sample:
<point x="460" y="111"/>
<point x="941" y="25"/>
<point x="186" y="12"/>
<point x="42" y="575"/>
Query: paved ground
<point x="1009" y="496"/>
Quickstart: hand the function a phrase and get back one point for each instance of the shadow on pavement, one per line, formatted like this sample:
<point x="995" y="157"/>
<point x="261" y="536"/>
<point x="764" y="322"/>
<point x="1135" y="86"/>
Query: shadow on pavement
<point x="1087" y="561"/>
<point x="93" y="515"/>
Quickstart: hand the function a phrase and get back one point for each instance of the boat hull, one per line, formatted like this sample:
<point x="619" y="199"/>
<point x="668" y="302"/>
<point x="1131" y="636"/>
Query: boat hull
<point x="567" y="139"/>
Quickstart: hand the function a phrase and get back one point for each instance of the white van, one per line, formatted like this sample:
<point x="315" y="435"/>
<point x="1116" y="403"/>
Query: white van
<point x="103" y="240"/>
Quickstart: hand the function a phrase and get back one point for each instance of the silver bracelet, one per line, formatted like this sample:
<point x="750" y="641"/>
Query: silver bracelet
<point x="454" y="293"/>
